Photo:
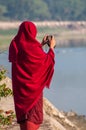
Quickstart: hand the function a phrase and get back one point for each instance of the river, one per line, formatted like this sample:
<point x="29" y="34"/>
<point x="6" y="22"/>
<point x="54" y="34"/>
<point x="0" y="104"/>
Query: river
<point x="68" y="87"/>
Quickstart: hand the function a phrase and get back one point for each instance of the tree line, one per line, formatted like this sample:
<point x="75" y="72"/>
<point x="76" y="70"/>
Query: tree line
<point x="60" y="10"/>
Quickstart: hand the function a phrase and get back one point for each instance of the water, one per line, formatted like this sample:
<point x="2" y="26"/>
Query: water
<point x="68" y="88"/>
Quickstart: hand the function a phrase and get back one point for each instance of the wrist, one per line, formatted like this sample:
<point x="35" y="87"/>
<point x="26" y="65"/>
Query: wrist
<point x="51" y="47"/>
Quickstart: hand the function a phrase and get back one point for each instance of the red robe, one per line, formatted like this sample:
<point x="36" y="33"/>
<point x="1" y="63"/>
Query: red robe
<point x="32" y="68"/>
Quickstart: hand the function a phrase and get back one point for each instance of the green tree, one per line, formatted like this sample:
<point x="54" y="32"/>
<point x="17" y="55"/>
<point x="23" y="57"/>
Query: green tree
<point x="27" y="9"/>
<point x="43" y="9"/>
<point x="67" y="9"/>
<point x="38" y="10"/>
<point x="3" y="10"/>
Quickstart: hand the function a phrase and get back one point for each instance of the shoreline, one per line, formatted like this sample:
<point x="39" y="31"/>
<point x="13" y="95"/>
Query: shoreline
<point x="71" y="24"/>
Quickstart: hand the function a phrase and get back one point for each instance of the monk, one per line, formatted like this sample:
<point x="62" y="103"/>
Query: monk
<point x="32" y="71"/>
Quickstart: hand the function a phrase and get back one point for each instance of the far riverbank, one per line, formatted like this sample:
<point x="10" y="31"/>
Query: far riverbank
<point x="63" y="31"/>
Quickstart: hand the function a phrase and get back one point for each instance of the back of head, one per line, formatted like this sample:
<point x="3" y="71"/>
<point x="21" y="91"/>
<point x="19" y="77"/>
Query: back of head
<point x="23" y="41"/>
<point x="27" y="31"/>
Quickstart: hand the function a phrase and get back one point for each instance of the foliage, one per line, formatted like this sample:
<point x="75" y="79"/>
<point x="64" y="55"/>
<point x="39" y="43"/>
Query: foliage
<point x="6" y="117"/>
<point x="67" y="9"/>
<point x="2" y="10"/>
<point x="43" y="9"/>
<point x="2" y="73"/>
<point x="4" y="91"/>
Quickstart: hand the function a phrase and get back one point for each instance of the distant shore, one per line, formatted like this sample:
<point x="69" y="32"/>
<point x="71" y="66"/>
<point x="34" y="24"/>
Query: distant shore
<point x="64" y="32"/>
<point x="15" y="24"/>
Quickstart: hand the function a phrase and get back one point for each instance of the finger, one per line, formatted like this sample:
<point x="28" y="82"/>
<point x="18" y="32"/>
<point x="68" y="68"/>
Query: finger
<point x="53" y="37"/>
<point x="45" y="37"/>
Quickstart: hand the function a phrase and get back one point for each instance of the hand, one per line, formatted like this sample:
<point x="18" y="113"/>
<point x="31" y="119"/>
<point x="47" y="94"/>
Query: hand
<point x="44" y="41"/>
<point x="52" y="43"/>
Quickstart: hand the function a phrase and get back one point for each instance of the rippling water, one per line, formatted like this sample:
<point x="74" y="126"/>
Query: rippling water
<point x="68" y="87"/>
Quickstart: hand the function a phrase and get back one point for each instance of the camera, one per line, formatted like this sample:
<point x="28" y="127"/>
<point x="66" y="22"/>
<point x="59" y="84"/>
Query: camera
<point x="48" y="39"/>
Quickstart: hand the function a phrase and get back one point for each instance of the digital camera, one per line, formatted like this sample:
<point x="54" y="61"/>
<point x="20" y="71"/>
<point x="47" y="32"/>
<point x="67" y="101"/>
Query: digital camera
<point x="48" y="39"/>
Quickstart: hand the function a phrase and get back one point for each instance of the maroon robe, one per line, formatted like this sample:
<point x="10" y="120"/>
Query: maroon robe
<point x="32" y="68"/>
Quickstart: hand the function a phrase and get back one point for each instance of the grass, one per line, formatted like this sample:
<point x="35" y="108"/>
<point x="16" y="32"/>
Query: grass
<point x="8" y="32"/>
<point x="6" y="37"/>
<point x="60" y="33"/>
